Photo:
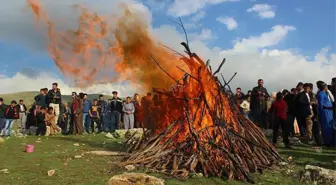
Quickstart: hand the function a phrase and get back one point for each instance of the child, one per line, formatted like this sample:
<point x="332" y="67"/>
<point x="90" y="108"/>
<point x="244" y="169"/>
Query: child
<point x="279" y="108"/>
<point x="94" y="115"/>
<point x="128" y="110"/>
<point x="50" y="121"/>
<point x="12" y="113"/>
<point x="41" y="125"/>
<point x="245" y="105"/>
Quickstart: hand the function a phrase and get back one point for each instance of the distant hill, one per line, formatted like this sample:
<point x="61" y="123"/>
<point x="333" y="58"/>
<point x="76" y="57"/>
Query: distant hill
<point x="28" y="97"/>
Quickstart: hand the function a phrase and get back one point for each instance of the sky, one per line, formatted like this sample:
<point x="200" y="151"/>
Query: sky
<point x="281" y="41"/>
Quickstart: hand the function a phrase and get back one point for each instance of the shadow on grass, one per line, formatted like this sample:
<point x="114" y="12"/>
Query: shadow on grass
<point x="303" y="156"/>
<point x="111" y="145"/>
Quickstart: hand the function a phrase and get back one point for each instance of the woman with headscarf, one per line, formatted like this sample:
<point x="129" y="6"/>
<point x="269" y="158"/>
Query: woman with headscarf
<point x="326" y="114"/>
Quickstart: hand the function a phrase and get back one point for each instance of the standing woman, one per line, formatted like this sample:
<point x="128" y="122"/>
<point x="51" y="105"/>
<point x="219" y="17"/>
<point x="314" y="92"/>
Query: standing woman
<point x="326" y="115"/>
<point x="128" y="110"/>
<point x="78" y="107"/>
<point x="138" y="119"/>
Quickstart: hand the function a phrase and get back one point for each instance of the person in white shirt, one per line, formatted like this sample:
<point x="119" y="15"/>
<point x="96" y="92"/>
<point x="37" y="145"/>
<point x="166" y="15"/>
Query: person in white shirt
<point x="245" y="105"/>
<point x="21" y="123"/>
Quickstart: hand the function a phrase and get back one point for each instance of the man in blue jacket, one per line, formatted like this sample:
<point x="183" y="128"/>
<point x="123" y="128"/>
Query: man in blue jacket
<point x="86" y="116"/>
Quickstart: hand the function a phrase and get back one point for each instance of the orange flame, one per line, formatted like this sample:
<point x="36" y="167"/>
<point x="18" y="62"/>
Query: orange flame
<point x="97" y="53"/>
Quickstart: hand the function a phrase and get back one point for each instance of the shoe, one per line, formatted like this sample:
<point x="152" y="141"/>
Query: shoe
<point x="311" y="142"/>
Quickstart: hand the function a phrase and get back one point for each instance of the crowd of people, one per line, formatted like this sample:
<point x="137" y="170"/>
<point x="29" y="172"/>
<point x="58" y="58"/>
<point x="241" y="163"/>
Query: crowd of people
<point x="299" y="112"/>
<point x="50" y="115"/>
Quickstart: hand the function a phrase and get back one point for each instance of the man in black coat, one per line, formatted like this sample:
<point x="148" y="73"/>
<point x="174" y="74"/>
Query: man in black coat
<point x="305" y="100"/>
<point x="291" y="110"/>
<point x="258" y="106"/>
<point x="116" y="108"/>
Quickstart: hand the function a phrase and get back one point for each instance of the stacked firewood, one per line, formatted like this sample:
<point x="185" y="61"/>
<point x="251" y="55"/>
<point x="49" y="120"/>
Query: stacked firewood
<point x="199" y="129"/>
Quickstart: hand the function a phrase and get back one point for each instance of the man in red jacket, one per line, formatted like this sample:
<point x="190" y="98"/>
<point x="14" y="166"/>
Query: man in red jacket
<point x="279" y="108"/>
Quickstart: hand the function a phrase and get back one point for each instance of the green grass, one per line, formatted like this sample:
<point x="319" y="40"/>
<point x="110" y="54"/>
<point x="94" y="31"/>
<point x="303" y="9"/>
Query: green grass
<point x="58" y="152"/>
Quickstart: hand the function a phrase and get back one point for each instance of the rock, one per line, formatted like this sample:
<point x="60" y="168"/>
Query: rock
<point x="4" y="171"/>
<point x="135" y="179"/>
<point x="197" y="175"/>
<point x="106" y="153"/>
<point x="109" y="135"/>
<point x="283" y="163"/>
<point x="318" y="175"/>
<point x="130" y="167"/>
<point x="76" y="144"/>
<point x="78" y="156"/>
<point x="51" y="173"/>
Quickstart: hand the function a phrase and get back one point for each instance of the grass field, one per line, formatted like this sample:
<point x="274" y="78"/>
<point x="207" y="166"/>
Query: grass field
<point x="58" y="153"/>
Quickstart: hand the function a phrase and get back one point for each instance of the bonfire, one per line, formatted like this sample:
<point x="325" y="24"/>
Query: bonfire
<point x="195" y="126"/>
<point x="199" y="129"/>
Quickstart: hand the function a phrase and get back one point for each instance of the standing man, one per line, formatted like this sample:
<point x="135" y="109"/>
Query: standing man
<point x="259" y="97"/>
<point x="21" y="123"/>
<point x="102" y="105"/>
<point x="54" y="100"/>
<point x="305" y="100"/>
<point x="333" y="91"/>
<point x="291" y="111"/>
<point x="116" y="108"/>
<point x="86" y="116"/>
<point x="3" y="108"/>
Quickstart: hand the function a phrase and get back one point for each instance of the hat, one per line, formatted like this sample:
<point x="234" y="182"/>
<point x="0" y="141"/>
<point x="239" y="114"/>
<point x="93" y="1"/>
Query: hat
<point x="114" y="92"/>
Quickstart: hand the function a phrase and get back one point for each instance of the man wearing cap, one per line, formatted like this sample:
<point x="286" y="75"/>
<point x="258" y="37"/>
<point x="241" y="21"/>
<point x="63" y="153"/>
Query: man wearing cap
<point x="116" y="107"/>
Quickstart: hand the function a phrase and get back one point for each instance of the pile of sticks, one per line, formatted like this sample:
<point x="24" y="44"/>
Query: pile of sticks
<point x="199" y="129"/>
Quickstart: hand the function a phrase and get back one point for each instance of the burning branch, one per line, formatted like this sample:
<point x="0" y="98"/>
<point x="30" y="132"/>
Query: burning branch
<point x="199" y="129"/>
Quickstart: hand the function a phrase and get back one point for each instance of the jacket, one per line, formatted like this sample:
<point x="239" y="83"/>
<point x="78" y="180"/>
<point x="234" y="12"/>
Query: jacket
<point x="116" y="105"/>
<point x="12" y="112"/>
<point x="102" y="106"/>
<point x="3" y="109"/>
<point x="304" y="108"/>
<point x="41" y="100"/>
<point x="50" y="97"/>
<point x="24" y="108"/>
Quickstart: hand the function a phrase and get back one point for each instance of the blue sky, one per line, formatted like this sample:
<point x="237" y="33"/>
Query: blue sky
<point x="313" y="25"/>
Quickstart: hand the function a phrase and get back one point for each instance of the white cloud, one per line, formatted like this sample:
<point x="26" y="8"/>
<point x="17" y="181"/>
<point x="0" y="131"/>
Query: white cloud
<point x="300" y="10"/>
<point x="18" y="83"/>
<point x="267" y="39"/>
<point x="180" y="8"/>
<point x="264" y="11"/>
<point x="251" y="57"/>
<point x="205" y="35"/>
<point x="197" y="17"/>
<point x="230" y="22"/>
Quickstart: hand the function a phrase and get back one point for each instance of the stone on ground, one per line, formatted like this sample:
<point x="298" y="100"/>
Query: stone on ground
<point x="130" y="167"/>
<point x="135" y="179"/>
<point x="318" y="175"/>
